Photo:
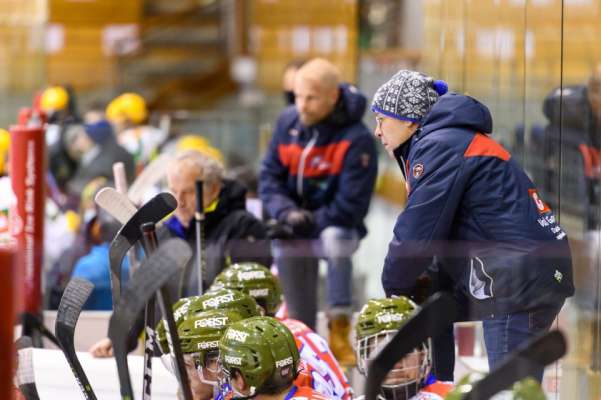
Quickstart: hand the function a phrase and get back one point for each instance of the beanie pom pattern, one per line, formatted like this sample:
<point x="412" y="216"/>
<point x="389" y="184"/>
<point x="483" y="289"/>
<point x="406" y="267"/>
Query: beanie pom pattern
<point x="408" y="95"/>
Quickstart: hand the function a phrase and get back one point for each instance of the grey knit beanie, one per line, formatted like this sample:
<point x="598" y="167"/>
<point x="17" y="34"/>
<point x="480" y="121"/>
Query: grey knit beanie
<point x="408" y="95"/>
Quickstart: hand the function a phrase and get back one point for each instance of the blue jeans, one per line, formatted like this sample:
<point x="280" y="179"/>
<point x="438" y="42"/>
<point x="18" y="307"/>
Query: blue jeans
<point x="504" y="334"/>
<point x="298" y="262"/>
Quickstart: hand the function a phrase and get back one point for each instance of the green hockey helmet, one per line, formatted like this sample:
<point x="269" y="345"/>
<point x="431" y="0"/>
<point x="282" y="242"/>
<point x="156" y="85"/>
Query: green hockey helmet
<point x="378" y="321"/>
<point x="180" y="310"/>
<point x="225" y="299"/>
<point x="263" y="351"/>
<point x="199" y="337"/>
<point x="255" y="280"/>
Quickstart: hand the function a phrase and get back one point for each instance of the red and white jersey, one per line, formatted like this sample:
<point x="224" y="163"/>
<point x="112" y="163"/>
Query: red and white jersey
<point x="435" y="391"/>
<point x="321" y="370"/>
<point x="305" y="393"/>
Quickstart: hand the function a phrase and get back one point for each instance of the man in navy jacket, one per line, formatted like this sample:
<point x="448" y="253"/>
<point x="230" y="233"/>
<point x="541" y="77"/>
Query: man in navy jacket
<point x="472" y="207"/>
<point x="317" y="178"/>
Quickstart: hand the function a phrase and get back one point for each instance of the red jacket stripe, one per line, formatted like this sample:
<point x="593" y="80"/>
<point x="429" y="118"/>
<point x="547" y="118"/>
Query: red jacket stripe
<point x="320" y="161"/>
<point x="483" y="146"/>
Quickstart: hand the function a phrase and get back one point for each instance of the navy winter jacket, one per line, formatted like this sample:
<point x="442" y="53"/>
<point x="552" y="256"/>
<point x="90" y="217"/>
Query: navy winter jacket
<point x="328" y="168"/>
<point x="473" y="207"/>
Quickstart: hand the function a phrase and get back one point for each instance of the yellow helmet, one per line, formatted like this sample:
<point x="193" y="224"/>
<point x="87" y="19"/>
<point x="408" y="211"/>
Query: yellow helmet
<point x="55" y="98"/>
<point x="199" y="144"/>
<point x="4" y="147"/>
<point x="127" y="107"/>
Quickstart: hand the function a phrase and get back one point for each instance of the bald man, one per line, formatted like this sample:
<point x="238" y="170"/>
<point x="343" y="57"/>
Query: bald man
<point x="317" y="179"/>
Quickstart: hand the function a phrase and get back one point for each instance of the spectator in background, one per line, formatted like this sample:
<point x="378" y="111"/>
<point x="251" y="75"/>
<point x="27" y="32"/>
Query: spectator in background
<point x="288" y="80"/>
<point x="231" y="233"/>
<point x="67" y="239"/>
<point x="96" y="150"/>
<point x="317" y="178"/>
<point x="129" y="114"/>
<point x="94" y="112"/>
<point x="94" y="266"/>
<point x="60" y="107"/>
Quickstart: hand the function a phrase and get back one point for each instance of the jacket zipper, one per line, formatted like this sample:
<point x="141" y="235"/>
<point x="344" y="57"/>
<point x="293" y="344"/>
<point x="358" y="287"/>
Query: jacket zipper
<point x="404" y="167"/>
<point x="301" y="164"/>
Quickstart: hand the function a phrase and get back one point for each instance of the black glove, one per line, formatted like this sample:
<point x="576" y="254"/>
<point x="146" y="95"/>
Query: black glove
<point x="422" y="289"/>
<point x="302" y="222"/>
<point x="276" y="230"/>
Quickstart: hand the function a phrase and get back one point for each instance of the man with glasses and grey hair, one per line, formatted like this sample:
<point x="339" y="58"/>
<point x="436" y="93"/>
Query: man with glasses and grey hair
<point x="231" y="233"/>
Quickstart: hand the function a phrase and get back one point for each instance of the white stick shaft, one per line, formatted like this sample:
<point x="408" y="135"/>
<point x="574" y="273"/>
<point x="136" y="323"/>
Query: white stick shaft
<point x="120" y="177"/>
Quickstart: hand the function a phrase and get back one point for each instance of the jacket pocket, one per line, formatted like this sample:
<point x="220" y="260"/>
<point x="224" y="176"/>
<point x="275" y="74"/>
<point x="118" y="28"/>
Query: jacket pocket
<point x="480" y="282"/>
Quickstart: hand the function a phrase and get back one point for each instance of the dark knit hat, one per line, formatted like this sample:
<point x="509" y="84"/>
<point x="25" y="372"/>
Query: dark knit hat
<point x="408" y="96"/>
<point x="99" y="131"/>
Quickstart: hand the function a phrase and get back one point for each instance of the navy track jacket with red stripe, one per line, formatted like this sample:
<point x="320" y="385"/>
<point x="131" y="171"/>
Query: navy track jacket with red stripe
<point x="329" y="168"/>
<point x="472" y="207"/>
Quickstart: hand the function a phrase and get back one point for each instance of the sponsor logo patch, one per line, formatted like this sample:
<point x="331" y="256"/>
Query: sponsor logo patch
<point x="216" y="301"/>
<point x="388" y="318"/>
<point x="558" y="276"/>
<point x="215" y="322"/>
<point x="418" y="170"/>
<point x="251" y="275"/>
<point x="233" y="334"/>
<point x="233" y="360"/>
<point x="540" y="205"/>
<point x="208" y="345"/>
<point x="283" y="363"/>
<point x="258" y="292"/>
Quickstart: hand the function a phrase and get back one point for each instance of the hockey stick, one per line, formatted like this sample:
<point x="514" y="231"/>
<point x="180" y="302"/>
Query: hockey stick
<point x="153" y="173"/>
<point x="116" y="204"/>
<point x="121" y="187"/>
<point x="536" y="354"/>
<point x="33" y="324"/>
<point x="76" y="294"/>
<point x="155" y="271"/>
<point x="199" y="217"/>
<point x="436" y="314"/>
<point x="154" y="210"/>
<point x="120" y="177"/>
<point x="25" y="377"/>
<point x="177" y="358"/>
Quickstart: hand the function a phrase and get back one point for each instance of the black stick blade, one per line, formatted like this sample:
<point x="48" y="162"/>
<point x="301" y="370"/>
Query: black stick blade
<point x="169" y="258"/>
<point x="437" y="313"/>
<point x="535" y="354"/>
<point x="75" y="296"/>
<point x="25" y="377"/>
<point x="154" y="210"/>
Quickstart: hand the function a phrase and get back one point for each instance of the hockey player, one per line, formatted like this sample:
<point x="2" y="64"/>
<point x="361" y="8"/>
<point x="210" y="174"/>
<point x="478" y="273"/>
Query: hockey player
<point x="199" y="337"/>
<point x="257" y="281"/>
<point x="410" y="378"/>
<point x="259" y="359"/>
<point x="201" y="321"/>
